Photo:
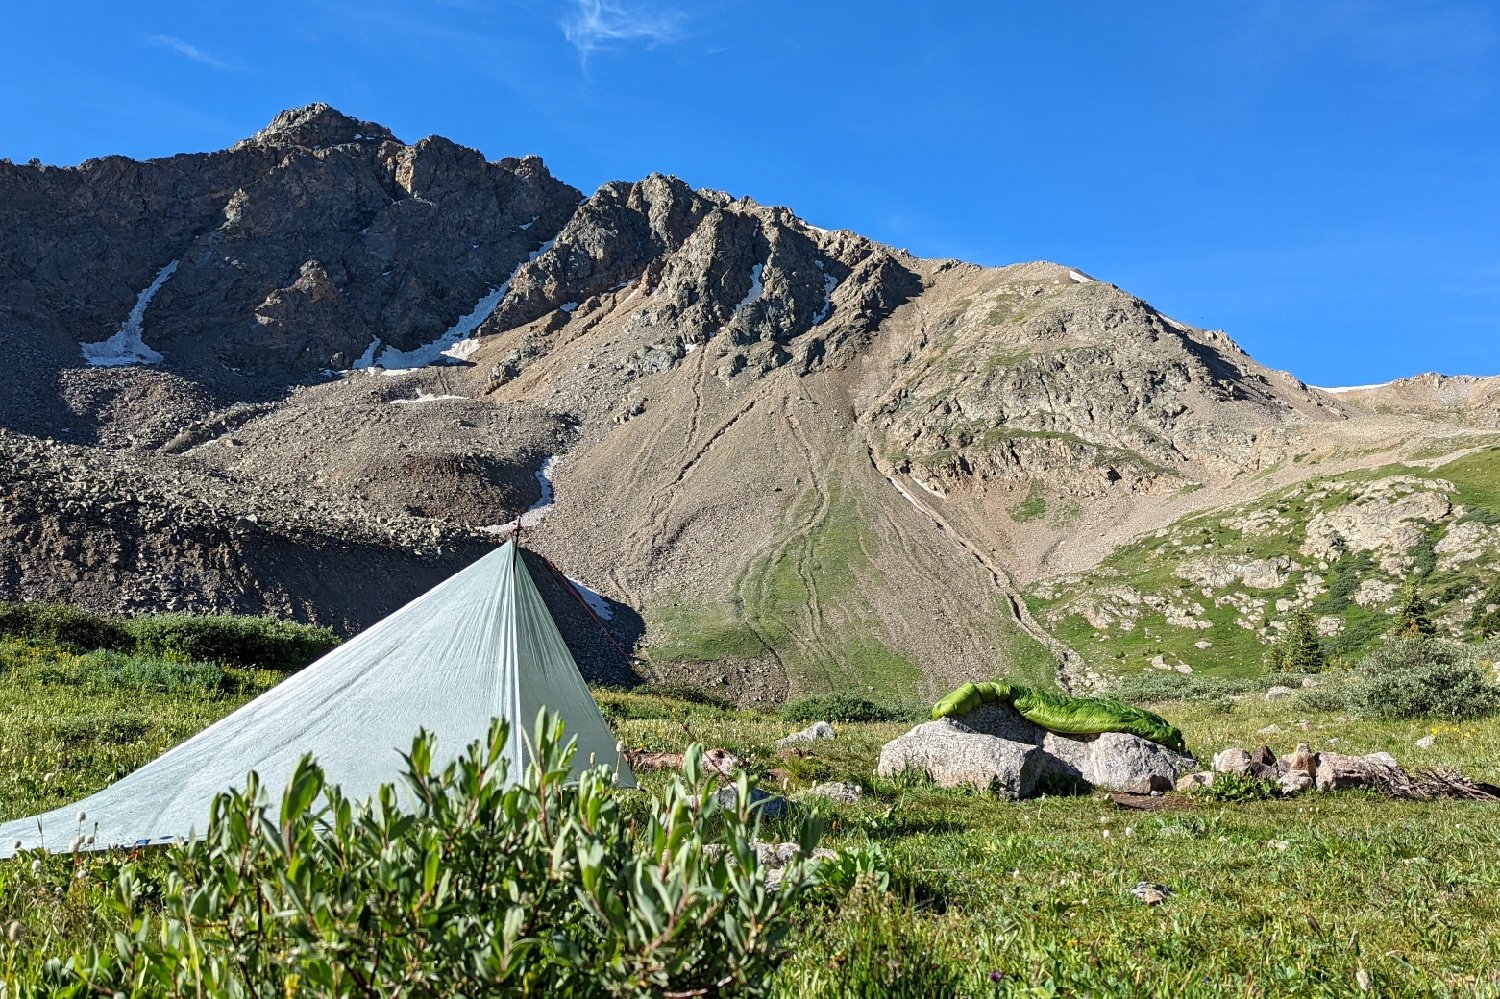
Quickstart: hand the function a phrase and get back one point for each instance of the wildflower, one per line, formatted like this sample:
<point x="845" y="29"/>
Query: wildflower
<point x="1106" y="834"/>
<point x="996" y="976"/>
<point x="36" y="867"/>
<point x="13" y="930"/>
<point x="82" y="816"/>
<point x="1130" y="830"/>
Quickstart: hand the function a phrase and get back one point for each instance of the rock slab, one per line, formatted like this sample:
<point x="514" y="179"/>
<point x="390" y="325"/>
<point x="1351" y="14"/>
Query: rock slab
<point x="993" y="748"/>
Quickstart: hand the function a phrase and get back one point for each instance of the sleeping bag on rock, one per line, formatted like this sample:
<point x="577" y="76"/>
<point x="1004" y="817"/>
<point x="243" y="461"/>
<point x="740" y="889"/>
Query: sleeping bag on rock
<point x="1063" y="713"/>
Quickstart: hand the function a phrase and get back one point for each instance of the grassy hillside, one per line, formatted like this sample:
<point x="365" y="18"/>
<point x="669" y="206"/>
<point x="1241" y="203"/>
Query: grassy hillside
<point x="1210" y="592"/>
<point x="819" y="607"/>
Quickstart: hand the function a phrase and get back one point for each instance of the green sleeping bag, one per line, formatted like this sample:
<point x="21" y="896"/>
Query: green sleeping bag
<point x="1062" y="713"/>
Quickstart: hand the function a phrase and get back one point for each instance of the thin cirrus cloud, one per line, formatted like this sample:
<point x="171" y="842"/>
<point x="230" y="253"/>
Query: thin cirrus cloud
<point x="186" y="49"/>
<point x="593" y="25"/>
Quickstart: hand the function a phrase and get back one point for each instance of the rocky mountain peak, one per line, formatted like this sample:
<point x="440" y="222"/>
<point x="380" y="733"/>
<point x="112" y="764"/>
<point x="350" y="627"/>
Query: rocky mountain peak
<point x="315" y="126"/>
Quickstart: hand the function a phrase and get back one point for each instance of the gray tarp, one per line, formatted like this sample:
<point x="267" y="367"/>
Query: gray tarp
<point x="481" y="645"/>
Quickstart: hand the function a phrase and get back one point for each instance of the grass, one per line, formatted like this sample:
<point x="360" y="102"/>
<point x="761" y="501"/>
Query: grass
<point x="801" y="607"/>
<point x="986" y="897"/>
<point x="1033" y="507"/>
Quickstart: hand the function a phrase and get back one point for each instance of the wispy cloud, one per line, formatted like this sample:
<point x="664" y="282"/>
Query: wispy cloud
<point x="186" y="49"/>
<point x="593" y="25"/>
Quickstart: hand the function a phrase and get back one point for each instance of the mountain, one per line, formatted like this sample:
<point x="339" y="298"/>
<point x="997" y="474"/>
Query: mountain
<point x="317" y="371"/>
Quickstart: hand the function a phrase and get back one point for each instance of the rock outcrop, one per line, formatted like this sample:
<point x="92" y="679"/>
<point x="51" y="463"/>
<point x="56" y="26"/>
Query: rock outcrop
<point x="994" y="749"/>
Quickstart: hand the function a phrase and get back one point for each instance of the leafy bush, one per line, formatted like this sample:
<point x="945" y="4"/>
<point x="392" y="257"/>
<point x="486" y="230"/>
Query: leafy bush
<point x="1237" y="787"/>
<point x="845" y="707"/>
<point x="479" y="886"/>
<point x="105" y="669"/>
<point x="1321" y="700"/>
<point x="73" y="629"/>
<point x="232" y="640"/>
<point x="1423" y="678"/>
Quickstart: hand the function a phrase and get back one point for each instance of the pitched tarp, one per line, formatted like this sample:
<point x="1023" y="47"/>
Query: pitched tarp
<point x="479" y="646"/>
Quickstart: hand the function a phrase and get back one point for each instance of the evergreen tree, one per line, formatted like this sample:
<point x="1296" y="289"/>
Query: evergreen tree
<point x="1298" y="649"/>
<point x="1413" y="620"/>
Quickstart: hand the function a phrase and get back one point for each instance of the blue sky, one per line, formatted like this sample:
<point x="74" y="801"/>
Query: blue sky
<point x="1320" y="179"/>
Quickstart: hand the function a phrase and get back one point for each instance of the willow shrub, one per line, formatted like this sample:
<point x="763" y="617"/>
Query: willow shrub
<point x="459" y="883"/>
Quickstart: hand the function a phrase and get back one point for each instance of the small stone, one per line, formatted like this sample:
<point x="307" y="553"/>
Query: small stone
<point x="1308" y="681"/>
<point x="1277" y="693"/>
<point x="1270" y="730"/>
<point x="813" y="733"/>
<point x="1303" y="761"/>
<point x="1151" y="894"/>
<point x="1426" y="741"/>
<point x="1294" y="782"/>
<point x="839" y="791"/>
<point x="1191" y="782"/>
<point x="1232" y="761"/>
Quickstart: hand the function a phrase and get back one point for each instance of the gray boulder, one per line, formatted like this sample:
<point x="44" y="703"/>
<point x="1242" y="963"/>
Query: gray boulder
<point x="813" y="733"/>
<point x="994" y="748"/>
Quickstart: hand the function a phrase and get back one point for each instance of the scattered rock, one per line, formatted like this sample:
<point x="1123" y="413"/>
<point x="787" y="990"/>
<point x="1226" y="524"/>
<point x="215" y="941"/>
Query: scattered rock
<point x="771" y="806"/>
<point x="1294" y="782"/>
<point x="839" y="791"/>
<point x="1151" y="894"/>
<point x="1337" y="772"/>
<point x="1426" y="741"/>
<point x="1277" y="693"/>
<point x="1232" y="761"/>
<point x="1190" y="782"/>
<point x="1309" y="682"/>
<point x="1270" y="730"/>
<point x="813" y="733"/>
<point x="1263" y="763"/>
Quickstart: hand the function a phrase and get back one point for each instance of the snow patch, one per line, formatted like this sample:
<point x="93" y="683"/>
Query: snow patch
<point x="568" y="306"/>
<point x="1339" y="390"/>
<point x="829" y="284"/>
<point x="426" y="397"/>
<point x="757" y="289"/>
<point x="367" y="359"/>
<point x="128" y="344"/>
<point x="538" y="510"/>
<point x="527" y="225"/>
<point x="456" y="342"/>
<point x="1080" y="278"/>
<point x="593" y="598"/>
<point x="930" y="488"/>
<point x="902" y="490"/>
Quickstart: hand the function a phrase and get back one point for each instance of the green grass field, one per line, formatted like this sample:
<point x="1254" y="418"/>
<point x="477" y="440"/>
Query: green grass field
<point x="1306" y="897"/>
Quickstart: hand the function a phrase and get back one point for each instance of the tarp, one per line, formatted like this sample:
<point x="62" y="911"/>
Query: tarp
<point x="1062" y="713"/>
<point x="481" y="645"/>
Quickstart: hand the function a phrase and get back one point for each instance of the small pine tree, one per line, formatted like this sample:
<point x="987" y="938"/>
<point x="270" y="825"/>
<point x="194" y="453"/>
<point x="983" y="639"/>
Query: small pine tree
<point x="1413" y="619"/>
<point x="1298" y="649"/>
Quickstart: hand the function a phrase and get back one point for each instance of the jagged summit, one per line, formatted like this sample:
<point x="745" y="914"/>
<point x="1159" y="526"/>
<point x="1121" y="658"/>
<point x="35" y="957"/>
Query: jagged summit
<point x="316" y="126"/>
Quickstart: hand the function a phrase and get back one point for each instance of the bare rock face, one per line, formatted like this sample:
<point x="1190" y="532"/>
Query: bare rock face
<point x="994" y="748"/>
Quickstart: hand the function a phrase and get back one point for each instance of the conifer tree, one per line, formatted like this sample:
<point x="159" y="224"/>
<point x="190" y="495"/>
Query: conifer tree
<point x="1412" y="619"/>
<point x="1298" y="649"/>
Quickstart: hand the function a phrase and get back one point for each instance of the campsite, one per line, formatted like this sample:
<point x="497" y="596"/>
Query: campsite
<point x="650" y="499"/>
<point x="925" y="889"/>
